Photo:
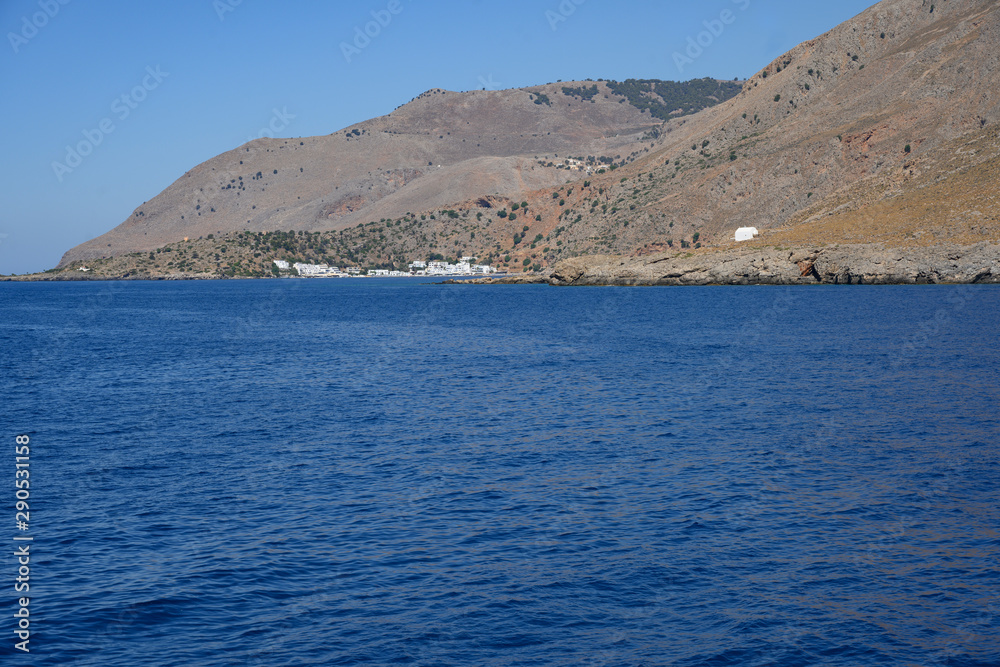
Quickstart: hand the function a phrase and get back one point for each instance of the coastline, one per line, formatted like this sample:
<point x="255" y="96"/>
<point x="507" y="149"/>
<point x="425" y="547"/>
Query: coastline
<point x="842" y="264"/>
<point x="812" y="265"/>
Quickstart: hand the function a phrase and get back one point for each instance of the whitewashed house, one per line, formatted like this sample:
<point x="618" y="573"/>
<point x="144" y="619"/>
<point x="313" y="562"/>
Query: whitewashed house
<point x="314" y="270"/>
<point x="746" y="233"/>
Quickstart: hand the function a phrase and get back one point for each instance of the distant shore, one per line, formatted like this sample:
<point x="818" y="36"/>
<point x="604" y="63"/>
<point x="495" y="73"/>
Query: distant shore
<point x="858" y="264"/>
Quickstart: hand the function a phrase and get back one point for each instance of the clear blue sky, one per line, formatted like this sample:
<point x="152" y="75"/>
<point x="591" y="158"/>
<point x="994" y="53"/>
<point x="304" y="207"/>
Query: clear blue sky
<point x="225" y="66"/>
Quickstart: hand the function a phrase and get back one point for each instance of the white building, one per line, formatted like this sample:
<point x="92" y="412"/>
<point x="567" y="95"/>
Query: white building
<point x="484" y="269"/>
<point x="316" y="270"/>
<point x="746" y="233"/>
<point x="282" y="264"/>
<point x="463" y="268"/>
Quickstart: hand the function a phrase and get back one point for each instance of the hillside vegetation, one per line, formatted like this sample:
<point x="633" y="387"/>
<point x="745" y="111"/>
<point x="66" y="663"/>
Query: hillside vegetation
<point x="671" y="99"/>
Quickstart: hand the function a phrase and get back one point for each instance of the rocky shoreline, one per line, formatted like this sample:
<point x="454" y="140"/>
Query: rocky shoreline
<point x="89" y="278"/>
<point x="828" y="265"/>
<point x="753" y="265"/>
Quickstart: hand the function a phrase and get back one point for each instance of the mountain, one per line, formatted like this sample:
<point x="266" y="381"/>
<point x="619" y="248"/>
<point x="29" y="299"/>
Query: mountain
<point x="439" y="149"/>
<point x="881" y="131"/>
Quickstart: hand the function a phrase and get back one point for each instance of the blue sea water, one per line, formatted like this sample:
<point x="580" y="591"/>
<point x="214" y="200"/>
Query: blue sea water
<point x="387" y="472"/>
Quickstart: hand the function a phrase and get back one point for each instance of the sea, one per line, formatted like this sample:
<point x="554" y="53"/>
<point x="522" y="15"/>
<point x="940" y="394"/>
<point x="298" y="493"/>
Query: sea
<point x="392" y="472"/>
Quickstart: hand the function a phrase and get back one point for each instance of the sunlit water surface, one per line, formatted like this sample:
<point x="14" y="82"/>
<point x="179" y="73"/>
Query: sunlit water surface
<point x="388" y="472"/>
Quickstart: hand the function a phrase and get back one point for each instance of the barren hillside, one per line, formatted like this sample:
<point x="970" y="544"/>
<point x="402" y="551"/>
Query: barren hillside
<point x="883" y="130"/>
<point x="440" y="148"/>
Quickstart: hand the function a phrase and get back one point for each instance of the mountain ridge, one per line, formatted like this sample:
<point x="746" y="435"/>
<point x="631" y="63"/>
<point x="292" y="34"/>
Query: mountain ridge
<point x="350" y="176"/>
<point x="856" y="118"/>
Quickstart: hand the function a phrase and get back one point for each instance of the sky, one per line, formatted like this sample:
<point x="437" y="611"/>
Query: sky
<point x="107" y="103"/>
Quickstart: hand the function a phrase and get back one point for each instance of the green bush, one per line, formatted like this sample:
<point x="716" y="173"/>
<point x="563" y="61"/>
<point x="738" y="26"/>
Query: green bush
<point x="584" y="93"/>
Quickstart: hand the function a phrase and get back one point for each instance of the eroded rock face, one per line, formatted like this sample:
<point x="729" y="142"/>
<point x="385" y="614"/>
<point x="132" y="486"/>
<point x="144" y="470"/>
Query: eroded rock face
<point x="837" y="265"/>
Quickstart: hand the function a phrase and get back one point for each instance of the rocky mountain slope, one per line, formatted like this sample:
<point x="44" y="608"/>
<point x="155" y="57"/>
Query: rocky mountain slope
<point x="874" y="109"/>
<point x="439" y="149"/>
<point x="881" y="131"/>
